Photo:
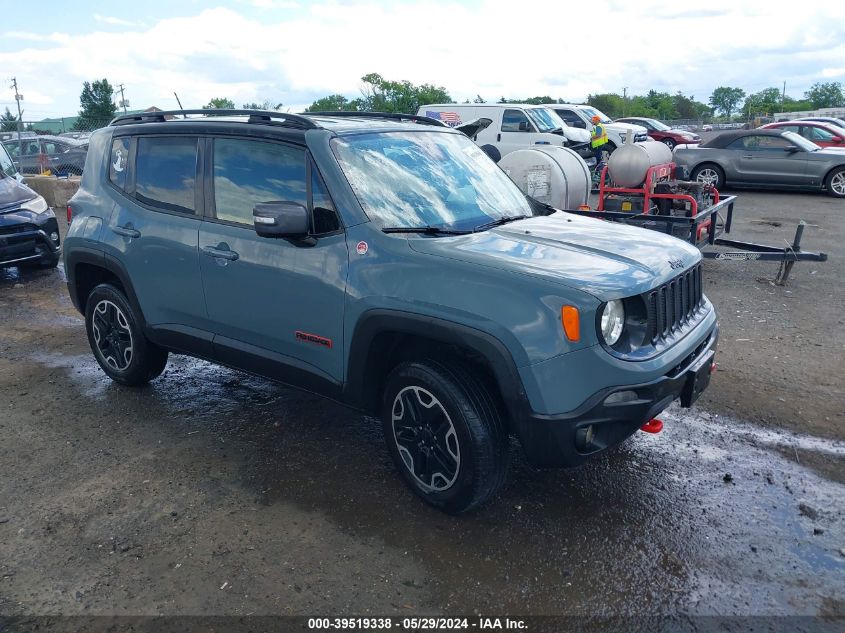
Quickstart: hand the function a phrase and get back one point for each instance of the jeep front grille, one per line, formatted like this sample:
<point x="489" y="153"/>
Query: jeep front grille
<point x="674" y="304"/>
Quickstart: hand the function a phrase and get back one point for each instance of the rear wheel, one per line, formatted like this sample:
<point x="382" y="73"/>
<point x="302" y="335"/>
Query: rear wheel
<point x="445" y="434"/>
<point x="710" y="174"/>
<point x="116" y="338"/>
<point x="835" y="183"/>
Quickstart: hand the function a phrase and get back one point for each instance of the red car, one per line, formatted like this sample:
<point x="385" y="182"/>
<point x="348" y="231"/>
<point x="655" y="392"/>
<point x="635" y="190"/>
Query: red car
<point x="822" y="134"/>
<point x="662" y="132"/>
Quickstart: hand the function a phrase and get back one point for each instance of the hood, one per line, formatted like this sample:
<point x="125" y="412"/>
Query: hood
<point x="576" y="134"/>
<point x="838" y="151"/>
<point x="12" y="193"/>
<point x="472" y="128"/>
<point x="624" y="127"/>
<point x="608" y="260"/>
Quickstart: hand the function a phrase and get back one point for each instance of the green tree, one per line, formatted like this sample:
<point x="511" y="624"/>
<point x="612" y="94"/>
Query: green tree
<point x="384" y="95"/>
<point x="219" y="103"/>
<point x="8" y="121"/>
<point x="726" y="99"/>
<point x="539" y="100"/>
<point x="479" y="99"/>
<point x="766" y="102"/>
<point x="264" y="105"/>
<point x="793" y="105"/>
<point x="331" y="103"/>
<point x="96" y="105"/>
<point x="610" y="103"/>
<point x="826" y="95"/>
<point x="689" y="108"/>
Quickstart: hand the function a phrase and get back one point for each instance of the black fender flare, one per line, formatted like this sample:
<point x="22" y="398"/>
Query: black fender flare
<point x="82" y="255"/>
<point x="359" y="391"/>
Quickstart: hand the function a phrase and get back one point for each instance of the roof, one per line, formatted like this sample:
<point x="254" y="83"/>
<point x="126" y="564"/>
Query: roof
<point x="485" y="105"/>
<point x="338" y="122"/>
<point x="726" y="138"/>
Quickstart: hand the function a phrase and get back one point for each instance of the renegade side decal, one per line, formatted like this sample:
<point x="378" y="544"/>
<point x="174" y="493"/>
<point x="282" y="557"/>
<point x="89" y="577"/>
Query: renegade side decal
<point x="305" y="337"/>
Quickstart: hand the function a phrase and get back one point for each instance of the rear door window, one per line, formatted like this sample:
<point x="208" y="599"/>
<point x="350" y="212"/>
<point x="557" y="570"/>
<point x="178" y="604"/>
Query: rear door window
<point x="166" y="172"/>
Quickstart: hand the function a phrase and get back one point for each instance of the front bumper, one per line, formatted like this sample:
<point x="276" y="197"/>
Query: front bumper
<point x="571" y="439"/>
<point x="28" y="243"/>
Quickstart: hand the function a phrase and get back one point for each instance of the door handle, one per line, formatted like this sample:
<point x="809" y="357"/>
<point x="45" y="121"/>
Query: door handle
<point x="218" y="253"/>
<point x="748" y="155"/>
<point x="126" y="231"/>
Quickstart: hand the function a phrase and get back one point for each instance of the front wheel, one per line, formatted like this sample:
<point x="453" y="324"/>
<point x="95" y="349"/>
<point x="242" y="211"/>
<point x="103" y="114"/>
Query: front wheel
<point x="835" y="183"/>
<point x="709" y="174"/>
<point x="445" y="433"/>
<point x="116" y="338"/>
<point x="668" y="142"/>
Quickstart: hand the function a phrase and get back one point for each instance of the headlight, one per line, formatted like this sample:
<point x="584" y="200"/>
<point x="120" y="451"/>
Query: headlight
<point x="688" y="137"/>
<point x="612" y="321"/>
<point x="36" y="205"/>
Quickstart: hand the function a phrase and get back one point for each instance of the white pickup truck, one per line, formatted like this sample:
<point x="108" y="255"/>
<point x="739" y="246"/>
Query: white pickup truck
<point x="513" y="126"/>
<point x="581" y="116"/>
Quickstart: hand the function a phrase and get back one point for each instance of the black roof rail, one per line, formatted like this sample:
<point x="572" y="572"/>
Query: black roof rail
<point x="396" y="116"/>
<point x="255" y="116"/>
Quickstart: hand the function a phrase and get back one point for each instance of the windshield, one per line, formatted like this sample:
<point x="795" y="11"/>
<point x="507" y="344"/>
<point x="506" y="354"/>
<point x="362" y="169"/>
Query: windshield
<point x="657" y="125"/>
<point x="545" y="119"/>
<point x="6" y="164"/>
<point x="800" y="141"/>
<point x="425" y="179"/>
<point x="591" y="112"/>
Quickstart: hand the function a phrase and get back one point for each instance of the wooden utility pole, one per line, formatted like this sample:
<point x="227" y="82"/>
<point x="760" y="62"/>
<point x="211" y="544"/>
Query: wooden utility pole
<point x="18" y="99"/>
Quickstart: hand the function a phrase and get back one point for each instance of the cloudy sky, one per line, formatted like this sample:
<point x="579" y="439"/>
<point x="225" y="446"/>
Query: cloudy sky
<point x="293" y="51"/>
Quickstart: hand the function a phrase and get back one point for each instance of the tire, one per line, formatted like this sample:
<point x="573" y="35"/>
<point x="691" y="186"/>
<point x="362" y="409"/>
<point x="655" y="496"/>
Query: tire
<point x="609" y="147"/>
<point x="493" y="152"/>
<point x="835" y="183"/>
<point x="668" y="142"/>
<point x="454" y="412"/>
<point x="709" y="173"/>
<point x="117" y="340"/>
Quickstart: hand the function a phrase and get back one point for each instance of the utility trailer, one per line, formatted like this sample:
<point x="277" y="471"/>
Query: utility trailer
<point x="692" y="211"/>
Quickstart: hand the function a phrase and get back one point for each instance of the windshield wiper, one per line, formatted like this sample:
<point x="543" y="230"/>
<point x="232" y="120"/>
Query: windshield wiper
<point x="425" y="230"/>
<point x="499" y="222"/>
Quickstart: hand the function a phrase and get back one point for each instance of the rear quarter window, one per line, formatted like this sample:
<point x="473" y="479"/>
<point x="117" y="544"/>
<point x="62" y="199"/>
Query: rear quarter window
<point x="118" y="160"/>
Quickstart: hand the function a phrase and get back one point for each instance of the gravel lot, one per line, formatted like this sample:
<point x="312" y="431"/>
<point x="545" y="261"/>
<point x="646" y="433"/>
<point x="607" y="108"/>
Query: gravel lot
<point x="213" y="492"/>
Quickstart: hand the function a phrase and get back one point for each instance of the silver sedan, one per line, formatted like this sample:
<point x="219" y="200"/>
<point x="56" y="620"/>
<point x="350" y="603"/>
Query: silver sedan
<point x="764" y="158"/>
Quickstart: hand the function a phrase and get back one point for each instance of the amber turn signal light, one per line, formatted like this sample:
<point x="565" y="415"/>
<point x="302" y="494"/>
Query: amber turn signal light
<point x="571" y="320"/>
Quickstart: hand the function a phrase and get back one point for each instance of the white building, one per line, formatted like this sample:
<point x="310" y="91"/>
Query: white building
<point x="838" y="113"/>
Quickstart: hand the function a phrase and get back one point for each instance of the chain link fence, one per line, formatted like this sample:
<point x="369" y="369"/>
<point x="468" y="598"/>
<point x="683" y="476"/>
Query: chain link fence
<point x="53" y="146"/>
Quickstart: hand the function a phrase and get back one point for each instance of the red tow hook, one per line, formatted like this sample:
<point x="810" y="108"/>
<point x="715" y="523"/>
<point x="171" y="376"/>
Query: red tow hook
<point x="652" y="426"/>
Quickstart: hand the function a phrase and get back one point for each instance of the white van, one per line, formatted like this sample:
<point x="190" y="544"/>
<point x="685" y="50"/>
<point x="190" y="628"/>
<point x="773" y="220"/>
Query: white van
<point x="514" y="126"/>
<point x="580" y="116"/>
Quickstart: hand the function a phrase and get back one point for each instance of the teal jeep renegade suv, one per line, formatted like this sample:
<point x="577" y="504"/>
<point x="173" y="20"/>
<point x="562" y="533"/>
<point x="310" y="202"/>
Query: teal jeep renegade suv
<point x="384" y="261"/>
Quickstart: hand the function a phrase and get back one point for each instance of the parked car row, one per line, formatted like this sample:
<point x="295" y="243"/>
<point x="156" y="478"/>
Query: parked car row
<point x="37" y="154"/>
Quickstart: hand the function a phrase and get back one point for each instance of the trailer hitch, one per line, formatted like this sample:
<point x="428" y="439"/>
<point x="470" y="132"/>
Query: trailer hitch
<point x="761" y="252"/>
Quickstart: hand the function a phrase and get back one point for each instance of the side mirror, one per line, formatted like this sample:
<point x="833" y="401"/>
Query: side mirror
<point x="280" y="219"/>
<point x="791" y="149"/>
<point x="580" y="123"/>
<point x="523" y="126"/>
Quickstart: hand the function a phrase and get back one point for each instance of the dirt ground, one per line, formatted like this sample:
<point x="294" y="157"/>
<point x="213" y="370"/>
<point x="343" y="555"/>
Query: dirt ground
<point x="213" y="492"/>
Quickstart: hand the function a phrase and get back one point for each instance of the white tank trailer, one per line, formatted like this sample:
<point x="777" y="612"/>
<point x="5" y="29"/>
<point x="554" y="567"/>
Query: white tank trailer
<point x="627" y="165"/>
<point x="556" y="176"/>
